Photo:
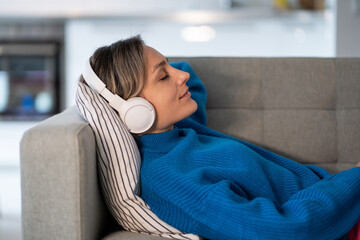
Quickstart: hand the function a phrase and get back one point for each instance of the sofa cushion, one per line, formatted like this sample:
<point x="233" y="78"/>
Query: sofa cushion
<point x="119" y="167"/>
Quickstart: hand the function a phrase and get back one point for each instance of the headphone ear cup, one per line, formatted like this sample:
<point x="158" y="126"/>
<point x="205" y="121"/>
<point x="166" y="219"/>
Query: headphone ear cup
<point x="138" y="115"/>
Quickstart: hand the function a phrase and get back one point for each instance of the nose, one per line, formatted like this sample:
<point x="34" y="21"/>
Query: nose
<point x="183" y="77"/>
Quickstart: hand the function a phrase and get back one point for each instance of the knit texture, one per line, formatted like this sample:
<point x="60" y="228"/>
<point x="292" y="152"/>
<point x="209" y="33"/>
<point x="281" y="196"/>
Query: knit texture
<point x="218" y="187"/>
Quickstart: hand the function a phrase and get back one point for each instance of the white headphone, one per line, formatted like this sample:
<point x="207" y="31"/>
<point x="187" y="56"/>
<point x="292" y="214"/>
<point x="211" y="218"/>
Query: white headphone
<point x="136" y="113"/>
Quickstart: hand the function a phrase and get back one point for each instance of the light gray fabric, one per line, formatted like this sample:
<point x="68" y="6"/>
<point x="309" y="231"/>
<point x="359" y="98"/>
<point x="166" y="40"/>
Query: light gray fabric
<point x="309" y="136"/>
<point x="307" y="109"/>
<point x="60" y="194"/>
<point x="131" y="236"/>
<point x="349" y="135"/>
<point x="348" y="83"/>
<point x="298" y="83"/>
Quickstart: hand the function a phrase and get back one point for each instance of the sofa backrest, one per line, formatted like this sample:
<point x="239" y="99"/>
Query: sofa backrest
<point x="61" y="196"/>
<point x="307" y="109"/>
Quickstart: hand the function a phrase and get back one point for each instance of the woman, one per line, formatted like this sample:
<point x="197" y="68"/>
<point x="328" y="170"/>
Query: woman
<point x="210" y="184"/>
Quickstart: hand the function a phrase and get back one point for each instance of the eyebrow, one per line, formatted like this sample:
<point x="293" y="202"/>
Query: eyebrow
<point x="162" y="63"/>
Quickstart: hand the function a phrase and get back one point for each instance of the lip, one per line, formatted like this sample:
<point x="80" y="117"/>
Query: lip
<point x="186" y="93"/>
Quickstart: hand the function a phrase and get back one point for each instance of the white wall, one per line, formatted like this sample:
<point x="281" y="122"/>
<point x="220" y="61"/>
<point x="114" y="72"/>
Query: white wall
<point x="296" y="34"/>
<point x="87" y="8"/>
<point x="348" y="28"/>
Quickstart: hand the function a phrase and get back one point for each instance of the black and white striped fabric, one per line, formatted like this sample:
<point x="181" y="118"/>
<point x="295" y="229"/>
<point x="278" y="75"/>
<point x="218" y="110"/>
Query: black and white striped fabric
<point x="119" y="167"/>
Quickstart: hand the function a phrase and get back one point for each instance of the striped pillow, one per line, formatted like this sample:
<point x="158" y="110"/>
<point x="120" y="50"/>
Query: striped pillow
<point x="119" y="167"/>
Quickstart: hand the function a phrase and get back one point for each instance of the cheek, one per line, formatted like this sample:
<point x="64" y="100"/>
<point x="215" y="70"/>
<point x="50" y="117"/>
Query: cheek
<point x="163" y="103"/>
<point x="165" y="97"/>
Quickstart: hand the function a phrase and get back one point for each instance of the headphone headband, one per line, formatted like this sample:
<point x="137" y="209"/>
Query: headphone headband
<point x="92" y="79"/>
<point x="99" y="86"/>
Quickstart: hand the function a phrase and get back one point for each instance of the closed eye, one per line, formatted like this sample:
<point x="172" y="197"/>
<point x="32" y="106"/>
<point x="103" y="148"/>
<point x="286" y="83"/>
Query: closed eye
<point x="165" y="77"/>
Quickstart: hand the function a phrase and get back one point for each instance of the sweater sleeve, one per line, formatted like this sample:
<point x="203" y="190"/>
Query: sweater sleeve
<point x="197" y="90"/>
<point x="320" y="172"/>
<point x="327" y="210"/>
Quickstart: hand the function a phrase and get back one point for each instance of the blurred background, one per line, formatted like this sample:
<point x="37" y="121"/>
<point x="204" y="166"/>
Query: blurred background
<point x="44" y="43"/>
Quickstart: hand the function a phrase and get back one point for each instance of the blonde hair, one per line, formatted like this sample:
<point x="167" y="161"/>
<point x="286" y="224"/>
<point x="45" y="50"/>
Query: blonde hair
<point x="121" y="66"/>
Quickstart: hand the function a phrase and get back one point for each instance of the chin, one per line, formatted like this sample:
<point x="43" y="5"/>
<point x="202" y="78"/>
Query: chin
<point x="193" y="108"/>
<point x="196" y="106"/>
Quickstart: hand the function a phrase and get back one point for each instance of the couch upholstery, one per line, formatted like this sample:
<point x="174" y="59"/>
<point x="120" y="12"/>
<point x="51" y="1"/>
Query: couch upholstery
<point x="307" y="109"/>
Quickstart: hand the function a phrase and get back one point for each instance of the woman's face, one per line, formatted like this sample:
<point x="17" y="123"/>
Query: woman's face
<point x="165" y="88"/>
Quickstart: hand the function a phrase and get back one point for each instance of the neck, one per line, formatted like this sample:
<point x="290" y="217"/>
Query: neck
<point x="154" y="130"/>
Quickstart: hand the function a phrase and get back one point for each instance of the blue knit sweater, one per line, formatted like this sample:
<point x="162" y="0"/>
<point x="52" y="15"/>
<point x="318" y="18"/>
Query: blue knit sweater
<point x="218" y="187"/>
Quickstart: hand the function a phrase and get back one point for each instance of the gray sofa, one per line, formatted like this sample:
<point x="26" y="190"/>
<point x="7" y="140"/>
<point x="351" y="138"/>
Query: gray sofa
<point x="307" y="109"/>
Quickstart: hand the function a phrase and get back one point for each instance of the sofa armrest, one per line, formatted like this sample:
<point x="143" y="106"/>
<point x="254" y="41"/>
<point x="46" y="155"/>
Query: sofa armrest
<point x="60" y="192"/>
